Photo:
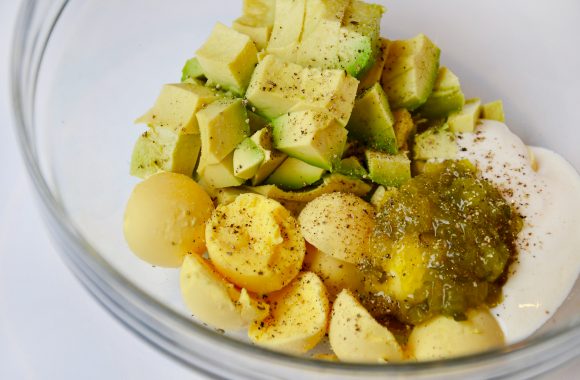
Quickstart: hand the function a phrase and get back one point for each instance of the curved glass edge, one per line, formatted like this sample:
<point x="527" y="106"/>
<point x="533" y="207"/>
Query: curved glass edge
<point x="198" y="347"/>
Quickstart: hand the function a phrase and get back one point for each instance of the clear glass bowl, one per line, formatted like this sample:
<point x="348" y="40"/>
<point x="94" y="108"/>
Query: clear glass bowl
<point x="83" y="70"/>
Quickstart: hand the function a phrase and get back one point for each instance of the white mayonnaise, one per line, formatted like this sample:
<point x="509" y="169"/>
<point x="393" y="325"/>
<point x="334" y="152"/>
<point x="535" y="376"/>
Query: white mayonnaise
<point x="548" y="260"/>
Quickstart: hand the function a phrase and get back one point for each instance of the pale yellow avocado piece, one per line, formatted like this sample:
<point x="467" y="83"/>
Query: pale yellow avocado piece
<point x="355" y="336"/>
<point x="436" y="143"/>
<point x="228" y="195"/>
<point x="493" y="111"/>
<point x="314" y="137"/>
<point x="404" y="128"/>
<point x="298" y="317"/>
<point x="214" y="300"/>
<point x="287" y="29"/>
<point x="278" y="87"/>
<point x="255" y="243"/>
<point x="272" y="157"/>
<point x="443" y="337"/>
<point x="260" y="34"/>
<point x="165" y="219"/>
<point x="257" y="21"/>
<point x="466" y="119"/>
<point x="220" y="175"/>
<point x="335" y="274"/>
<point x="330" y="90"/>
<point x="228" y="58"/>
<point x="340" y="225"/>
<point x="322" y="23"/>
<point x="382" y="195"/>
<point x="376" y="72"/>
<point x="160" y="149"/>
<point x="176" y="106"/>
<point x="223" y="126"/>
<point x="275" y="87"/>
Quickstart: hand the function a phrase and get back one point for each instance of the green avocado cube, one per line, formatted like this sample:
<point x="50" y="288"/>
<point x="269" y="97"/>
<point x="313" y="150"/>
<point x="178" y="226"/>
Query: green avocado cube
<point x="372" y="121"/>
<point x="314" y="137"/>
<point x="247" y="159"/>
<point x="446" y="97"/>
<point x="223" y="125"/>
<point x="287" y="29"/>
<point x="177" y="105"/>
<point x="410" y="72"/>
<point x="272" y="157"/>
<point x="228" y="59"/>
<point x="220" y="175"/>
<point x="466" y="119"/>
<point x="493" y="111"/>
<point x="294" y="174"/>
<point x="388" y="169"/>
<point x="192" y="70"/>
<point x="352" y="167"/>
<point x="161" y="149"/>
<point x="435" y="143"/>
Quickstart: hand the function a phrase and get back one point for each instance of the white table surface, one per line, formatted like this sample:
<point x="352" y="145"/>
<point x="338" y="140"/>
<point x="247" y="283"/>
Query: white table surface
<point x="50" y="327"/>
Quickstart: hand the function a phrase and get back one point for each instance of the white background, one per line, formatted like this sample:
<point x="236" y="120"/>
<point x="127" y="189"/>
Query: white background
<point x="50" y="327"/>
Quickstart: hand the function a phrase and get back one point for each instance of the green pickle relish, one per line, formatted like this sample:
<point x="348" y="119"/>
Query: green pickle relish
<point x="442" y="245"/>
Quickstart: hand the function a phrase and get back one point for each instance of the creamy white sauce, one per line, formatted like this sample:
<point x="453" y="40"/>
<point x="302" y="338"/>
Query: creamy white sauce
<point x="548" y="260"/>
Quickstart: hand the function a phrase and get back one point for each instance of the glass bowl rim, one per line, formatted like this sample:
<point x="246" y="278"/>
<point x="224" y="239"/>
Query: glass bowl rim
<point x="131" y="305"/>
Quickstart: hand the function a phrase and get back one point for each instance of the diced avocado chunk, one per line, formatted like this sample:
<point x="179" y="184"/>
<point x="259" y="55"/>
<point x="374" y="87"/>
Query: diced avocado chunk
<point x="404" y="128"/>
<point x="161" y="149"/>
<point x="446" y="97"/>
<point x="227" y="195"/>
<point x="359" y="43"/>
<point x="372" y="121"/>
<point x="228" y="58"/>
<point x="352" y="167"/>
<point x="330" y="183"/>
<point x="345" y="35"/>
<point x="259" y="34"/>
<point x="330" y="90"/>
<point x="256" y="122"/>
<point x="314" y="137"/>
<point x="322" y="25"/>
<point x="375" y="73"/>
<point x="435" y="143"/>
<point x="257" y="21"/>
<point x="177" y="105"/>
<point x="247" y="159"/>
<point x="294" y="174"/>
<point x="493" y="111"/>
<point x="220" y="175"/>
<point x="410" y="72"/>
<point x="192" y="70"/>
<point x="279" y="87"/>
<point x="382" y="195"/>
<point x="272" y="157"/>
<point x="465" y="120"/>
<point x="287" y="29"/>
<point x="223" y="125"/>
<point x="387" y="169"/>
<point x="275" y="87"/>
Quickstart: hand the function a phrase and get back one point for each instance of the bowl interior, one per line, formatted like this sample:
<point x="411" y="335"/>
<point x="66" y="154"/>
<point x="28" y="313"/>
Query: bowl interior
<point x="106" y="62"/>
